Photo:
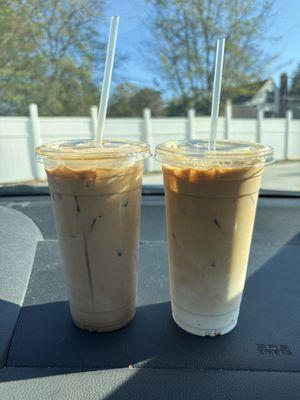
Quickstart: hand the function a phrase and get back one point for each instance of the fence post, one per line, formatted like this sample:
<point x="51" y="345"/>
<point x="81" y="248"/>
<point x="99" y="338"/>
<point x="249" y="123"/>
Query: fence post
<point x="191" y="124"/>
<point x="260" y="116"/>
<point x="94" y="118"/>
<point x="35" y="140"/>
<point x="288" y="120"/>
<point x="228" y="117"/>
<point x="147" y="137"/>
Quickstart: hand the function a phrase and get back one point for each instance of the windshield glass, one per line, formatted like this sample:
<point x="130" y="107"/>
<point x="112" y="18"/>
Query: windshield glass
<point x="52" y="64"/>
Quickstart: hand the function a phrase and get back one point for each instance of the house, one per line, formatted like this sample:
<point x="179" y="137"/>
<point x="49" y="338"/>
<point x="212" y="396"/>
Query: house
<point x="263" y="95"/>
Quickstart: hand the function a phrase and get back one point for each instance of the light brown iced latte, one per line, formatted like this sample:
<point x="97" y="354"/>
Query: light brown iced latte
<point x="210" y="209"/>
<point x="97" y="212"/>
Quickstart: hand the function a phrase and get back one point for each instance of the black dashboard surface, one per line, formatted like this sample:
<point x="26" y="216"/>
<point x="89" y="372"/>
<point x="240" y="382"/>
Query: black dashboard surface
<point x="43" y="355"/>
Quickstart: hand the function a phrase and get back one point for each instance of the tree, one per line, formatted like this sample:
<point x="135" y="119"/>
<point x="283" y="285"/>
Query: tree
<point x="294" y="94"/>
<point x="179" y="106"/>
<point x="184" y="40"/>
<point x="51" y="49"/>
<point x="148" y="98"/>
<point x="295" y="86"/>
<point x="120" y="101"/>
<point x="129" y="100"/>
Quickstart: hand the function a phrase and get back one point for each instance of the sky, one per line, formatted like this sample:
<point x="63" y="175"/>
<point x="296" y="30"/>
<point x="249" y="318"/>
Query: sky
<point x="133" y="32"/>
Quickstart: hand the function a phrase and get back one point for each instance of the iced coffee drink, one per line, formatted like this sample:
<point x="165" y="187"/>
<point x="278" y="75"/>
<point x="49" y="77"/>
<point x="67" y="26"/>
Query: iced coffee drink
<point x="96" y="196"/>
<point x="211" y="202"/>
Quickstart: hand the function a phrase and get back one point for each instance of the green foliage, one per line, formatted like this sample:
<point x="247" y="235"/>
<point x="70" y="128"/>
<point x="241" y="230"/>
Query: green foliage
<point x="129" y="101"/>
<point x="179" y="106"/>
<point x="50" y="50"/>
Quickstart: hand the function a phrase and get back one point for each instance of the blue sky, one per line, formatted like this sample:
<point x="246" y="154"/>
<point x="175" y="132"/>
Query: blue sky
<point x="133" y="31"/>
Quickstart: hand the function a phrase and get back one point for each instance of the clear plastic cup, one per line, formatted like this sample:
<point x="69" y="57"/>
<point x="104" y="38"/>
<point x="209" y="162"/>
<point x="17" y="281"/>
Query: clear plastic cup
<point x="211" y="200"/>
<point x="96" y="194"/>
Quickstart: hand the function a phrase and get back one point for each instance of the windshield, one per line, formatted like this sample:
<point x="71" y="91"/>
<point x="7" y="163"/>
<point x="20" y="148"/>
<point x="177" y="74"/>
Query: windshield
<point x="52" y="64"/>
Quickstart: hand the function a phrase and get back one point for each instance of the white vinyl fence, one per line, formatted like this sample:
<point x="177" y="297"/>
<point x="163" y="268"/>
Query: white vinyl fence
<point x="20" y="135"/>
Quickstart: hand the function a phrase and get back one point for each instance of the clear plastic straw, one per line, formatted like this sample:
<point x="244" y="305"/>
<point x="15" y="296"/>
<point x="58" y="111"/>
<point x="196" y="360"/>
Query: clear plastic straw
<point x="216" y="94"/>
<point x="109" y="62"/>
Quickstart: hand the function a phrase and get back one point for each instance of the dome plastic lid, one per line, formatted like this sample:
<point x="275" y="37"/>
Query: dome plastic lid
<point x="195" y="153"/>
<point x="88" y="150"/>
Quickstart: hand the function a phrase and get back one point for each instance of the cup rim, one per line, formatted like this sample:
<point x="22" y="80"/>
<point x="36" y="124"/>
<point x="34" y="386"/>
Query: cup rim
<point x="195" y="153"/>
<point x="86" y="149"/>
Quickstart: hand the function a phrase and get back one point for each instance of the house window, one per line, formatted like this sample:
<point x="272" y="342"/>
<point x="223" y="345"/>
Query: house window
<point x="271" y="97"/>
